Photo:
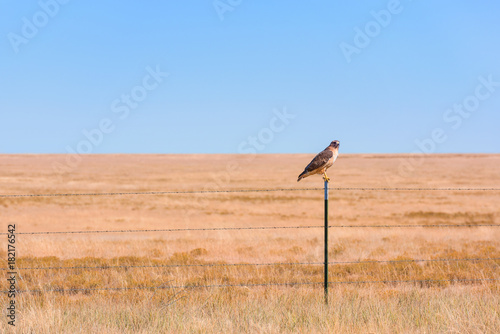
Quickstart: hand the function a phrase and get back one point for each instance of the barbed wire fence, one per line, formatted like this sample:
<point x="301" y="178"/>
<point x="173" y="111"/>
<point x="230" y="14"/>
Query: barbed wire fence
<point x="243" y="191"/>
<point x="494" y="260"/>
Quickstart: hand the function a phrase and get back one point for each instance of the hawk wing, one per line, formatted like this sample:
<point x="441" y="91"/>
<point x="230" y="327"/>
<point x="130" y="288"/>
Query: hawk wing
<point x="319" y="161"/>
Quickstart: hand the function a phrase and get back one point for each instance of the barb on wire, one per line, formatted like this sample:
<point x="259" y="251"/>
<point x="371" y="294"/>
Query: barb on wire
<point x="291" y="284"/>
<point x="255" y="228"/>
<point x="256" y="264"/>
<point x="240" y="191"/>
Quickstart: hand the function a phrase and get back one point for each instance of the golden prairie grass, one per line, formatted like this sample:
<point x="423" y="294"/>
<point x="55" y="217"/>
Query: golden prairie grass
<point x="442" y="300"/>
<point x="405" y="309"/>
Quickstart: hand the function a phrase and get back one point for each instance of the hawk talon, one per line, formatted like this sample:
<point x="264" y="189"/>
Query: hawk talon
<point x="326" y="178"/>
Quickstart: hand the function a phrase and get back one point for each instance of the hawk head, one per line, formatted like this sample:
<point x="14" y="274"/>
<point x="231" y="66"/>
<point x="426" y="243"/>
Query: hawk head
<point x="335" y="144"/>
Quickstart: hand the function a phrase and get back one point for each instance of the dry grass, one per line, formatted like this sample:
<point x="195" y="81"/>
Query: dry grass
<point x="379" y="308"/>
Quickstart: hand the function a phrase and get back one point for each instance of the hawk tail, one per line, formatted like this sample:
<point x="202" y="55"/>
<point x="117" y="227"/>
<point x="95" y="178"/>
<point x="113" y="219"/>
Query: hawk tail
<point x="301" y="176"/>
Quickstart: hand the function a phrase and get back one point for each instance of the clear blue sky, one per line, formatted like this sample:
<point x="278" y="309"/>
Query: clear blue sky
<point x="379" y="76"/>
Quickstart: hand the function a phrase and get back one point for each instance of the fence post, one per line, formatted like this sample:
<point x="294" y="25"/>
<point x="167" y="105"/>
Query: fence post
<point x="326" y="243"/>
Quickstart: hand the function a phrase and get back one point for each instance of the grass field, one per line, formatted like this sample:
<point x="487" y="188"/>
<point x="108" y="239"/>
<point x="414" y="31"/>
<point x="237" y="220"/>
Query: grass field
<point x="439" y="306"/>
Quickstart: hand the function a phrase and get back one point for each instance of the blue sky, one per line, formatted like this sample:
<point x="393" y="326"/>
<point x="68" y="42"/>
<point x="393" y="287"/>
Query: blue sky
<point x="240" y="76"/>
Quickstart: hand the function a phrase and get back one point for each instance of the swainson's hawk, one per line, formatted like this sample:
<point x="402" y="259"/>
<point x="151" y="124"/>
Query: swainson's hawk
<point x="322" y="162"/>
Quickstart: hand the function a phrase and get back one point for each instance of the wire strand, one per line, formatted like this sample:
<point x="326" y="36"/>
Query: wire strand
<point x="159" y="192"/>
<point x="172" y="230"/>
<point x="257" y="285"/>
<point x="255" y="228"/>
<point x="241" y="191"/>
<point x="413" y="226"/>
<point x="255" y="264"/>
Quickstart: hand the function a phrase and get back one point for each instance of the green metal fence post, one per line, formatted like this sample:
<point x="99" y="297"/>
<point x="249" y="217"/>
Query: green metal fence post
<point x="326" y="243"/>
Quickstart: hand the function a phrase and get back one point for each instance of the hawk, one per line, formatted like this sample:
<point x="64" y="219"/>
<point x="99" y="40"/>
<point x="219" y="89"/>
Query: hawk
<point x="322" y="162"/>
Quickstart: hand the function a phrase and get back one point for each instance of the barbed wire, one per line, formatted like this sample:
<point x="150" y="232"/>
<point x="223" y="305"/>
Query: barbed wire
<point x="160" y="192"/>
<point x="255" y="264"/>
<point x="242" y="191"/>
<point x="412" y="226"/>
<point x="254" y="228"/>
<point x="409" y="189"/>
<point x="162" y="287"/>
<point x="173" y="230"/>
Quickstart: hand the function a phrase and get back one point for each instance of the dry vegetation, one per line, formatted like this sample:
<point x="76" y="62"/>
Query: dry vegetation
<point x="424" y="307"/>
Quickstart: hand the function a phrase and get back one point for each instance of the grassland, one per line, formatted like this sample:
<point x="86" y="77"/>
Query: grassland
<point x="427" y="306"/>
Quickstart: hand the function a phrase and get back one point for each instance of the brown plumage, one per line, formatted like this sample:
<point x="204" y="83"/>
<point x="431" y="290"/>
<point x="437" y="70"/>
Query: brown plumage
<point x="322" y="162"/>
